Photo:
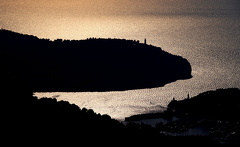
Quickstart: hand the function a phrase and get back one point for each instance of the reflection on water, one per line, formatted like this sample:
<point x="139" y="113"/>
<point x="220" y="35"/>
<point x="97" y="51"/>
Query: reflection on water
<point x="154" y="121"/>
<point x="116" y="104"/>
<point x="207" y="36"/>
<point x="197" y="131"/>
<point x="210" y="44"/>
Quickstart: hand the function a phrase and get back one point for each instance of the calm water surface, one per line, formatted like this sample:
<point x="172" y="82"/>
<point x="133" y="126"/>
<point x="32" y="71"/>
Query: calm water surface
<point x="206" y="32"/>
<point x="212" y="46"/>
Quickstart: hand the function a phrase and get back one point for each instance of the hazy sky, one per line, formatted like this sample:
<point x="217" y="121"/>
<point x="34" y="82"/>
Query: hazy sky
<point x="94" y="7"/>
<point x="32" y="16"/>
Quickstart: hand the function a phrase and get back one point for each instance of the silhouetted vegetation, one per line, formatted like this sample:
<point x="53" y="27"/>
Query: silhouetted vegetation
<point x="89" y="65"/>
<point x="216" y="112"/>
<point x="27" y="120"/>
<point x="219" y="104"/>
<point x="29" y="64"/>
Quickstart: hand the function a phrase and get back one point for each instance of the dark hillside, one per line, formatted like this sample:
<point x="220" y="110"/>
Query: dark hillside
<point x="89" y="65"/>
<point x="28" y="121"/>
<point x="213" y="114"/>
<point x="219" y="104"/>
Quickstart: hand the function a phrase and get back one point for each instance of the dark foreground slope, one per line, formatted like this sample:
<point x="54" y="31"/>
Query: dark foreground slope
<point x="28" y="121"/>
<point x="214" y="114"/>
<point x="89" y="65"/>
<point x="218" y="104"/>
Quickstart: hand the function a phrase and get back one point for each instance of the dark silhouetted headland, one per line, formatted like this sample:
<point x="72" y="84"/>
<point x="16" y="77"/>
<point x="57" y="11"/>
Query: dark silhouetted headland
<point x="29" y="64"/>
<point x="89" y="65"/>
<point x="212" y="113"/>
<point x="26" y="120"/>
<point x="219" y="104"/>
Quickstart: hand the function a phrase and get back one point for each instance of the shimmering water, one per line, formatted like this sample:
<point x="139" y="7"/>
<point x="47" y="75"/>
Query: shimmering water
<point x="207" y="33"/>
<point x="212" y="46"/>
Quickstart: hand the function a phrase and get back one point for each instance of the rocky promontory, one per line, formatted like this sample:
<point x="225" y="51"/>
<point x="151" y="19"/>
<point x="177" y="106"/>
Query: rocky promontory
<point x="93" y="64"/>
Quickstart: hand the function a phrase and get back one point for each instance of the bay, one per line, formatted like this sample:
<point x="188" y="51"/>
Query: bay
<point x="205" y="32"/>
<point x="211" y="44"/>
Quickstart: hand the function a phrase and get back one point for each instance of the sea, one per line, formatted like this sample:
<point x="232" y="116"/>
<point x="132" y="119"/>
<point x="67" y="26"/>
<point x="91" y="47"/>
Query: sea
<point x="205" y="32"/>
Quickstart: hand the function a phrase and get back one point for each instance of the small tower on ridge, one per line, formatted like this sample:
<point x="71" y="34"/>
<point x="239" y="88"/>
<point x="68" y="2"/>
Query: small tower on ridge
<point x="145" y="41"/>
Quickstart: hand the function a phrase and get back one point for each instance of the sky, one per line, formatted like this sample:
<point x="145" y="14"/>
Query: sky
<point x="113" y="7"/>
<point x="40" y="16"/>
<point x="170" y="24"/>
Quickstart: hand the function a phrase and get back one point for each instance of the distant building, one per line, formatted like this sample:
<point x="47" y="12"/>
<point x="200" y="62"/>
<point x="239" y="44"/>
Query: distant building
<point x="145" y="41"/>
